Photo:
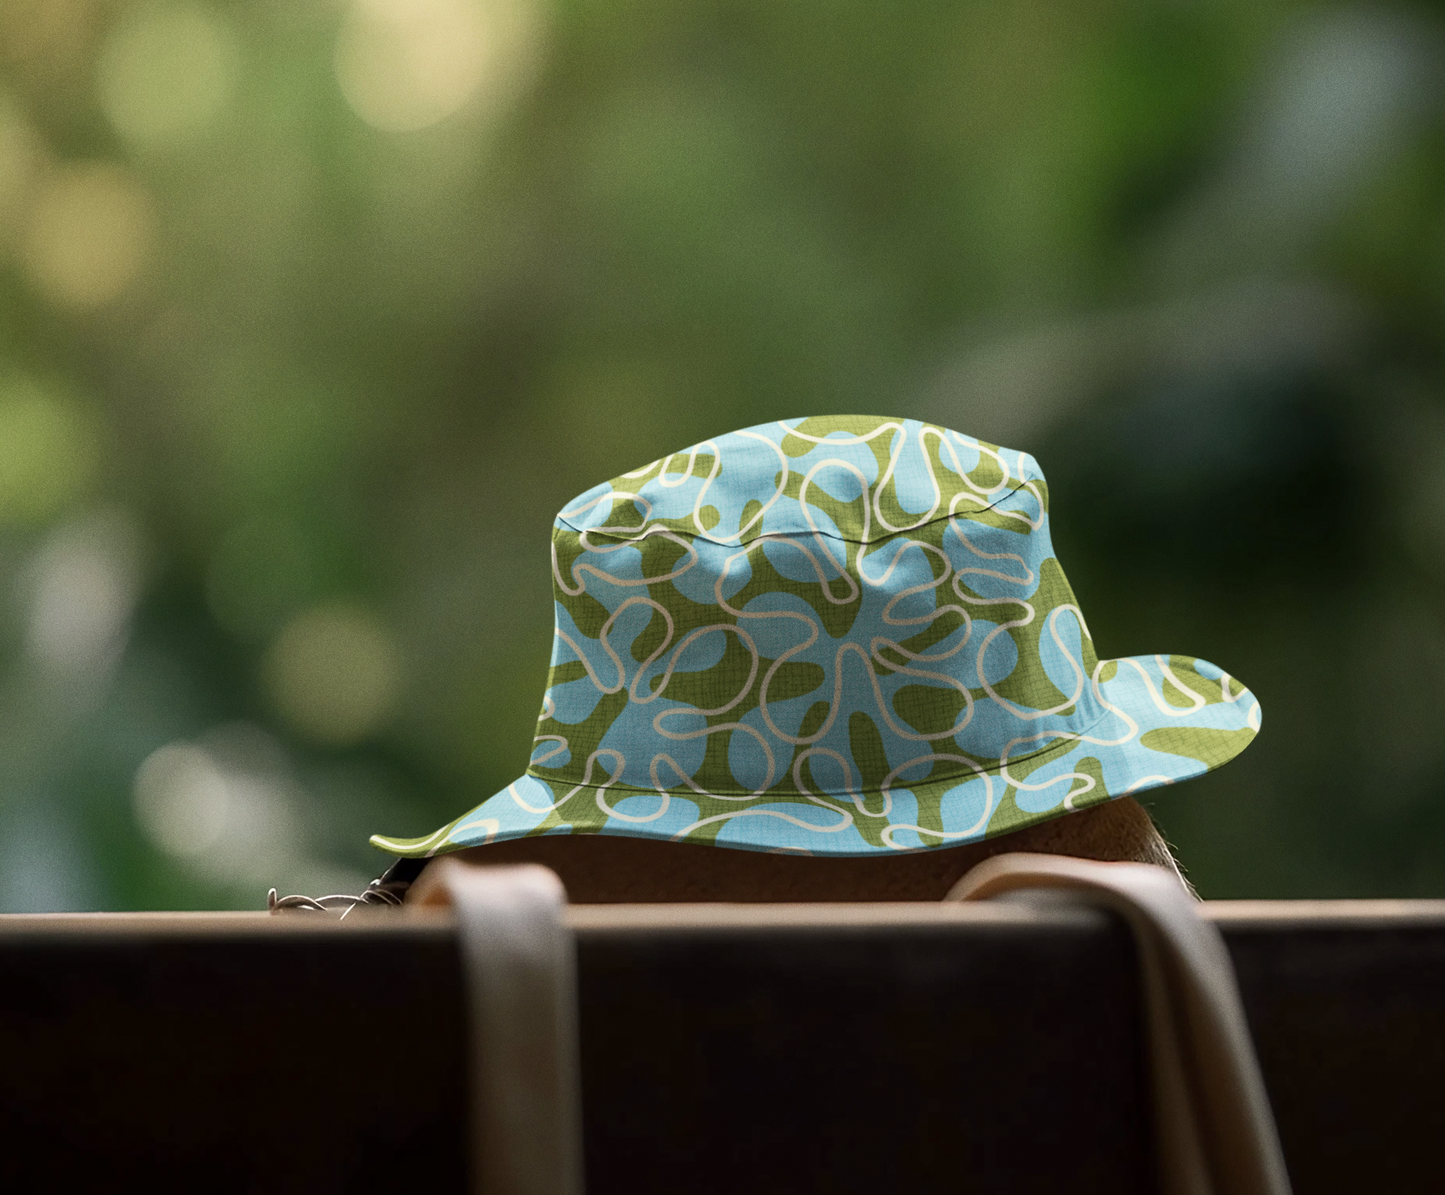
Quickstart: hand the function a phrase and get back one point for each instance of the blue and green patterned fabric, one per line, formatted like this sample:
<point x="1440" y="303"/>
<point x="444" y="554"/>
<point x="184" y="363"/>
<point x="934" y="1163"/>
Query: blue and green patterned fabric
<point x="842" y="635"/>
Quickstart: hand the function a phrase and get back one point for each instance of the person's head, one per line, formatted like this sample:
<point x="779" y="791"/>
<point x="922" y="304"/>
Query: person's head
<point x="608" y="869"/>
<point x="845" y="638"/>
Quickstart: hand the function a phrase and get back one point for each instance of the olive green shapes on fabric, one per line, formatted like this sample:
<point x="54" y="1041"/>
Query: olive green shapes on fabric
<point x="1211" y="746"/>
<point x="842" y="635"/>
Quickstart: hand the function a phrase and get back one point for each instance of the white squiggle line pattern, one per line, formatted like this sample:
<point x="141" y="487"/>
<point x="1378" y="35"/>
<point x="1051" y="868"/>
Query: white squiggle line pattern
<point x="586" y="782"/>
<point x="426" y="846"/>
<point x="490" y="824"/>
<point x="784" y="474"/>
<point x="611" y="578"/>
<point x="973" y="515"/>
<point x="560" y="740"/>
<point x="1197" y="702"/>
<point x="837" y="439"/>
<point x="943" y="835"/>
<point x="844" y="650"/>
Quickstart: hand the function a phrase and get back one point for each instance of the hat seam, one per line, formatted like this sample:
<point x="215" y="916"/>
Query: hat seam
<point x="659" y="528"/>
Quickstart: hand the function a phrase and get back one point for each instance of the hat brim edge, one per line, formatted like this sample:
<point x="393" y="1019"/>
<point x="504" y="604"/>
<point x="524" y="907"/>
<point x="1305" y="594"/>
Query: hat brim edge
<point x="1181" y="750"/>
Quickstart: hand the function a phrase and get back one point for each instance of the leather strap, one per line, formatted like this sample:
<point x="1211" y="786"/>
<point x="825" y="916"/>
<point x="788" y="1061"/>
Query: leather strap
<point x="519" y="961"/>
<point x="1215" y="1130"/>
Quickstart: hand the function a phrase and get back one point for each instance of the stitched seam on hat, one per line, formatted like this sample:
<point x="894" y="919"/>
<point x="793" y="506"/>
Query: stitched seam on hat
<point x="658" y="529"/>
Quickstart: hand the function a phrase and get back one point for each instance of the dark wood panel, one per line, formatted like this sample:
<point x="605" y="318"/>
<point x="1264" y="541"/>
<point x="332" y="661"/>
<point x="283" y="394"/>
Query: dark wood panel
<point x="1349" y="1025"/>
<point x="988" y="1059"/>
<point x="721" y="1053"/>
<point x="268" y="1063"/>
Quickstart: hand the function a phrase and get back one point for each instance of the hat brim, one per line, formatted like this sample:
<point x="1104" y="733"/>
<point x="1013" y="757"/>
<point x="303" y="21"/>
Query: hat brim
<point x="1165" y="719"/>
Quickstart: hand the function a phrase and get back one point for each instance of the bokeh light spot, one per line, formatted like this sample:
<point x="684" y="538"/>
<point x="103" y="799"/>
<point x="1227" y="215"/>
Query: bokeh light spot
<point x="47" y="452"/>
<point x="407" y="64"/>
<point x="84" y="584"/>
<point x="228" y="807"/>
<point x="165" y="71"/>
<point x="89" y="233"/>
<point x="332" y="673"/>
<point x="181" y="799"/>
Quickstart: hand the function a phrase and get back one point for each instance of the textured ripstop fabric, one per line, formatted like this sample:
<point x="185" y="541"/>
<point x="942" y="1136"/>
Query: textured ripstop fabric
<point x="843" y="635"/>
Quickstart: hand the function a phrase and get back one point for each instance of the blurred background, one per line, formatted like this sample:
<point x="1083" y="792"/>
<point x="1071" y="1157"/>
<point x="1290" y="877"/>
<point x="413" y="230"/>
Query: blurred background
<point x="313" y="313"/>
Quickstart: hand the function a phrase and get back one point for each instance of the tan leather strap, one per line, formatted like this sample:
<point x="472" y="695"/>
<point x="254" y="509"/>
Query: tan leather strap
<point x="1216" y="1132"/>
<point x="519" y="961"/>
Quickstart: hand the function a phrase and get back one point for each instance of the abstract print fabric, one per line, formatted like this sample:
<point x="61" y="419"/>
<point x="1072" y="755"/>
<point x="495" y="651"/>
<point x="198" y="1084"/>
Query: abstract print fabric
<point x="838" y="635"/>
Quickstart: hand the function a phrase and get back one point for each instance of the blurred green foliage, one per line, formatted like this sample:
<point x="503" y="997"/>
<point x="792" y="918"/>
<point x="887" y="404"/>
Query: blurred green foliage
<point x="313" y="313"/>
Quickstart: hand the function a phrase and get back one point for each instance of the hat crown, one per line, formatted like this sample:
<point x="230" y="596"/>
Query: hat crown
<point x="826" y="607"/>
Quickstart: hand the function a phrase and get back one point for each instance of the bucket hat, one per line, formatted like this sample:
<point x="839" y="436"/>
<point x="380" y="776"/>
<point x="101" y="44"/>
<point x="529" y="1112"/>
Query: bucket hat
<point x="843" y="635"/>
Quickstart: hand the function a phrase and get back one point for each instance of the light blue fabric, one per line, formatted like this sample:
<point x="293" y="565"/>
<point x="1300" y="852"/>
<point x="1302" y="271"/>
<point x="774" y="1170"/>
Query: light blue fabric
<point x="845" y="635"/>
